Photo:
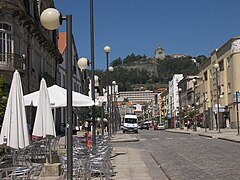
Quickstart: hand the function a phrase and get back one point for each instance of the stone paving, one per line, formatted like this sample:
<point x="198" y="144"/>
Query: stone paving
<point x="131" y="164"/>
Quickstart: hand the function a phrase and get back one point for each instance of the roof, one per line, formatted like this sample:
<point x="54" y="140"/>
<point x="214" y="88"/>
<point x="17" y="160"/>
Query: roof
<point x="130" y="116"/>
<point x="62" y="41"/>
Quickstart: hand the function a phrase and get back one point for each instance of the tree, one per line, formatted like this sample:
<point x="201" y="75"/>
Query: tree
<point x="129" y="75"/>
<point x="116" y="62"/>
<point x="98" y="111"/>
<point x="132" y="59"/>
<point x="3" y="99"/>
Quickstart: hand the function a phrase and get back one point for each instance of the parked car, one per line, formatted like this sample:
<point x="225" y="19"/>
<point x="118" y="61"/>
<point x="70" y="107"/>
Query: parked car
<point x="143" y="126"/>
<point x="161" y="126"/>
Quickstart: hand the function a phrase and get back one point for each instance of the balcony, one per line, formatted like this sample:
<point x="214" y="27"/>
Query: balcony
<point x="11" y="62"/>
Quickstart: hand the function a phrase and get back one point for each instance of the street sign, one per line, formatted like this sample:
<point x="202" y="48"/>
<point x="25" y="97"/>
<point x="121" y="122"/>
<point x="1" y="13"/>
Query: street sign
<point x="221" y="108"/>
<point x="238" y="97"/>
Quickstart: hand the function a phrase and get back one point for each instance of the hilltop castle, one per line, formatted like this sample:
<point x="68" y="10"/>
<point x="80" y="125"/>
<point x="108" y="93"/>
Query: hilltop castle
<point x="160" y="54"/>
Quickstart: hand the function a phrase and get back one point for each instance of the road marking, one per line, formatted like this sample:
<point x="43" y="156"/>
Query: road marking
<point x="142" y="139"/>
<point x="182" y="138"/>
<point x="155" y="138"/>
<point x="169" y="138"/>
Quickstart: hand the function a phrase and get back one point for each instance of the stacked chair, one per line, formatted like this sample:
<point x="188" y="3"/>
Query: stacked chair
<point x="89" y="162"/>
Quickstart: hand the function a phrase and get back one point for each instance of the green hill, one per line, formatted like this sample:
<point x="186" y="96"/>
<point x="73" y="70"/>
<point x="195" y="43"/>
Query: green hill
<point x="136" y="71"/>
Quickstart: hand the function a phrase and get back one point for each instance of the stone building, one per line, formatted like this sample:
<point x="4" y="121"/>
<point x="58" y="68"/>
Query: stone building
<point x="159" y="53"/>
<point x="25" y="45"/>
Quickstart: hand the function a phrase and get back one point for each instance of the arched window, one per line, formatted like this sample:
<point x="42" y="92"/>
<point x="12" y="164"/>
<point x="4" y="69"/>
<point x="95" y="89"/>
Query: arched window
<point x="5" y="38"/>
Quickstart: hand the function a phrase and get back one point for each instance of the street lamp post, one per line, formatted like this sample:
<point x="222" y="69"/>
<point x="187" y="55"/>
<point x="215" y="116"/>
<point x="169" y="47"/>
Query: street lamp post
<point x="107" y="50"/>
<point x="188" y="110"/>
<point x="102" y="114"/>
<point x="110" y="69"/>
<point x="237" y="92"/>
<point x="205" y="100"/>
<point x="216" y="66"/>
<point x="51" y="19"/>
<point x="83" y="64"/>
<point x="93" y="73"/>
<point x="113" y="106"/>
<point x="111" y="109"/>
<point x="117" y="112"/>
<point x="180" y="108"/>
<point x="194" y="102"/>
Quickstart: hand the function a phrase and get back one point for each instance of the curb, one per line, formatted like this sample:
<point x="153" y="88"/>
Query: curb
<point x="225" y="139"/>
<point x="160" y="167"/>
<point x="203" y="135"/>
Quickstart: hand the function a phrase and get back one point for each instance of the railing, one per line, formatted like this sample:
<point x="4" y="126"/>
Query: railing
<point x="10" y="61"/>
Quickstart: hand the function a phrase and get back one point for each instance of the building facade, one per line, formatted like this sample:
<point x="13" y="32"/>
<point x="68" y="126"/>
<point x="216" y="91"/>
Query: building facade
<point x="222" y="81"/>
<point x="138" y="96"/>
<point x="62" y="81"/>
<point x="26" y="46"/>
<point x="216" y="88"/>
<point x="174" y="99"/>
<point x="186" y="98"/>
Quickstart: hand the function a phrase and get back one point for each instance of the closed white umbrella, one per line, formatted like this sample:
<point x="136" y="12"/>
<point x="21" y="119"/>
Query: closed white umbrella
<point x="14" y="128"/>
<point x="44" y="124"/>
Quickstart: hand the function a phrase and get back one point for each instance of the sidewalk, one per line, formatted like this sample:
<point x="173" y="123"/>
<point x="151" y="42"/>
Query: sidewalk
<point x="129" y="163"/>
<point x="225" y="134"/>
<point x="133" y="164"/>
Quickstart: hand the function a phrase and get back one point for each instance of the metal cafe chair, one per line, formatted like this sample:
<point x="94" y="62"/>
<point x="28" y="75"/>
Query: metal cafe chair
<point x="16" y="173"/>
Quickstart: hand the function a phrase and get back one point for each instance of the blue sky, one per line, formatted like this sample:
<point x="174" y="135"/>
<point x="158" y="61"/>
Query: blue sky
<point x="191" y="27"/>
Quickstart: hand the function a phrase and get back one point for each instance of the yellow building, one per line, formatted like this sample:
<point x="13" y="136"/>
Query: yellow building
<point x="220" y="84"/>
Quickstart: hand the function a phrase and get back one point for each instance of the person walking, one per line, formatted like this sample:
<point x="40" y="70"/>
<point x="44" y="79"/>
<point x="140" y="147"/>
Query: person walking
<point x="86" y="125"/>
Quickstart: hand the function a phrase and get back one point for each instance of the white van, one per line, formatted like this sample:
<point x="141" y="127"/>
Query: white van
<point x="130" y="123"/>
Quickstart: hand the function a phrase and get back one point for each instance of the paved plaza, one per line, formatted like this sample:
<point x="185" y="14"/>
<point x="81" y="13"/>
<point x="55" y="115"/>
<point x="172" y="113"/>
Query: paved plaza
<point x="130" y="163"/>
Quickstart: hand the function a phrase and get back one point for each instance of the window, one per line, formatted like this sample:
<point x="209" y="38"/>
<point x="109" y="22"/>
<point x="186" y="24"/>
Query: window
<point x="130" y="120"/>
<point x="5" y="38"/>
<point x="222" y="89"/>
<point x="229" y="88"/>
<point x="221" y="66"/>
<point x="75" y="86"/>
<point x="64" y="81"/>
<point x="228" y="61"/>
<point x="205" y="76"/>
